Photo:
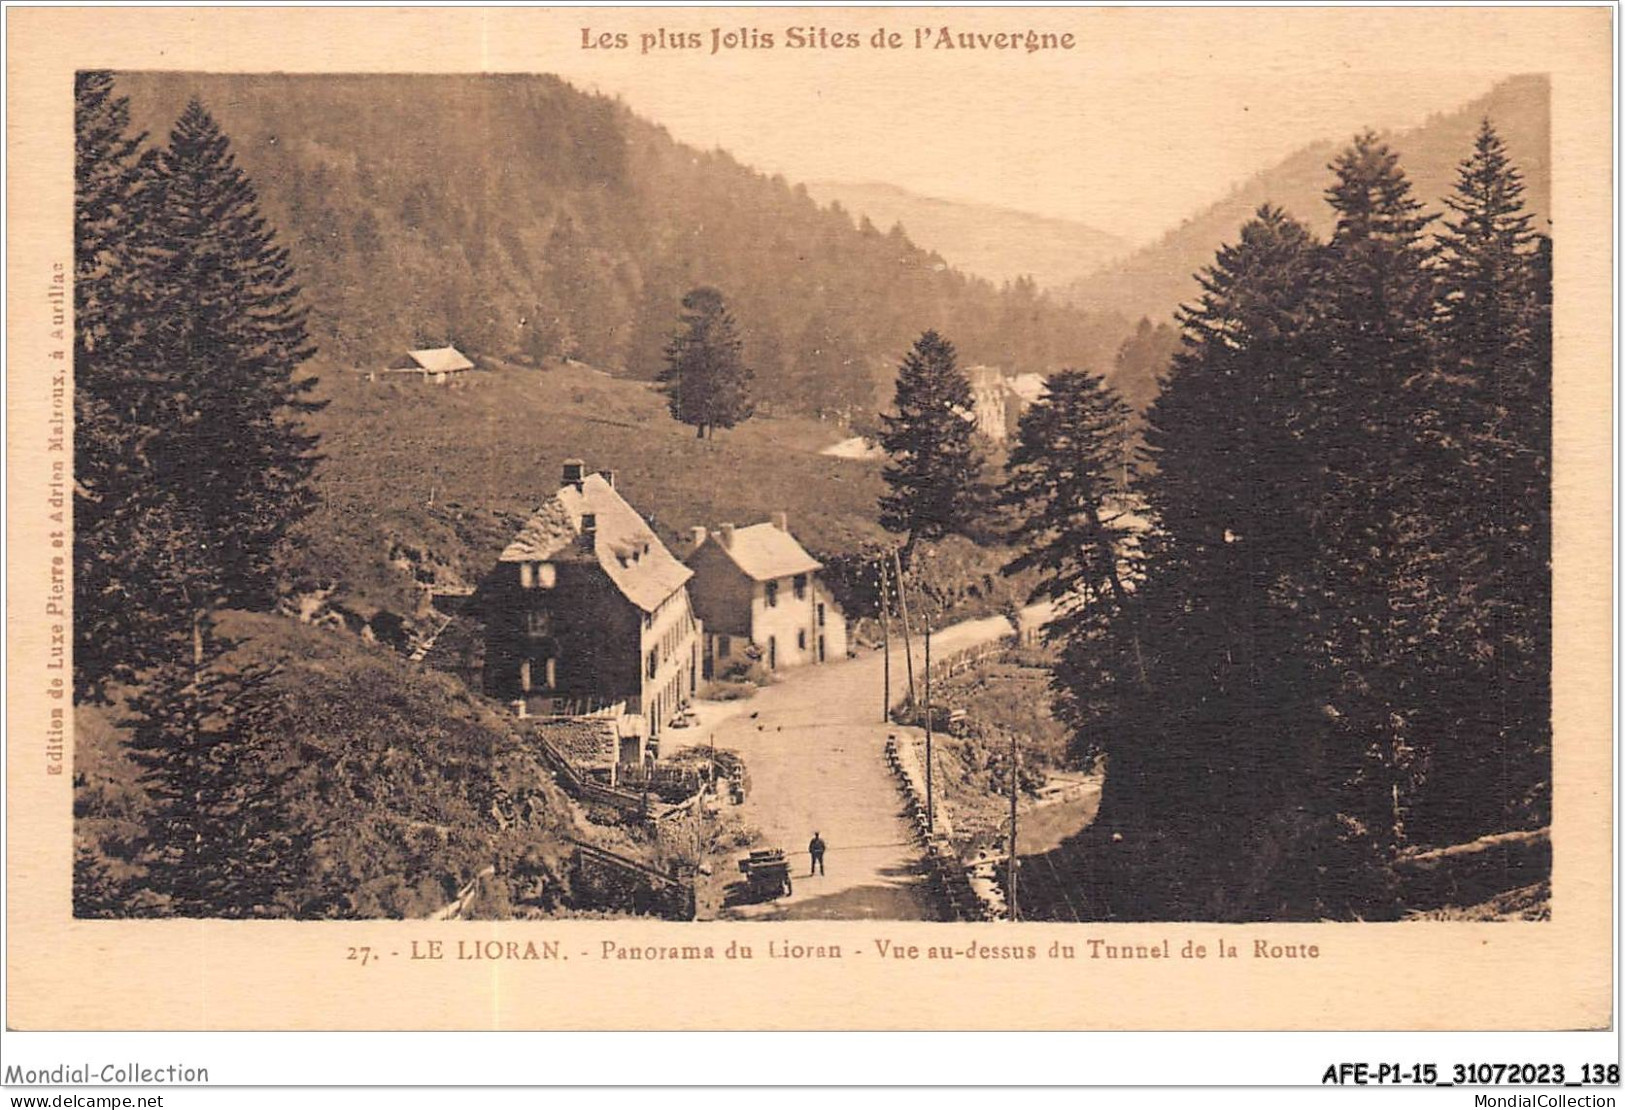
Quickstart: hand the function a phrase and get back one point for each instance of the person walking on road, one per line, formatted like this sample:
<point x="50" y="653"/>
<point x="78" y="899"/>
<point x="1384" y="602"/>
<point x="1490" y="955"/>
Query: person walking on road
<point x="815" y="848"/>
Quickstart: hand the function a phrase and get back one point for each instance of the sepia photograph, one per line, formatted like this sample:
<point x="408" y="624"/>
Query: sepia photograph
<point x="727" y="473"/>
<point x="570" y="532"/>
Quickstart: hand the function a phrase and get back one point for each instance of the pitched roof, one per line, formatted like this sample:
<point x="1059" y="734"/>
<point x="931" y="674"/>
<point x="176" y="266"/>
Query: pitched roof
<point x="440" y="360"/>
<point x="549" y="531"/>
<point x="585" y="741"/>
<point x="764" y="552"/>
<point x="627" y="549"/>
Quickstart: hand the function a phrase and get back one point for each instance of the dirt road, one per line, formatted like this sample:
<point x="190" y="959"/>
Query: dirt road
<point x="815" y="745"/>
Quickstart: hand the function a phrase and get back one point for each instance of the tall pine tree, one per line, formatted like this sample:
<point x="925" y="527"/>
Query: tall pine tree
<point x="1374" y="312"/>
<point x="1064" y="487"/>
<point x="217" y="774"/>
<point x="1490" y="432"/>
<point x="935" y="467"/>
<point x="196" y="468"/>
<point x="1229" y="758"/>
<point x="707" y="383"/>
<point x="112" y="178"/>
<point x="230" y="339"/>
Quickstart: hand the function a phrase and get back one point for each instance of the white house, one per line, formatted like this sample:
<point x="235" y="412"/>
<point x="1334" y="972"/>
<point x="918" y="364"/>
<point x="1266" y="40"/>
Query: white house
<point x="758" y="587"/>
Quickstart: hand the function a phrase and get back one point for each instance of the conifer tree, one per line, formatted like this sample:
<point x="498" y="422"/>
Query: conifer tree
<point x="1064" y="487"/>
<point x="934" y="467"/>
<point x="218" y="840"/>
<point x="1063" y="480"/>
<point x="1486" y="278"/>
<point x="707" y="383"/>
<point x="110" y="174"/>
<point x="1227" y="432"/>
<point x="231" y="338"/>
<point x="111" y="188"/>
<point x="1374" y="311"/>
<point x="1490" y="431"/>
<point x="1232" y="739"/>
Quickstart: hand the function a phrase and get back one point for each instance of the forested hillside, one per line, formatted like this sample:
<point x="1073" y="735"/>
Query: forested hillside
<point x="516" y="216"/>
<point x="1154" y="281"/>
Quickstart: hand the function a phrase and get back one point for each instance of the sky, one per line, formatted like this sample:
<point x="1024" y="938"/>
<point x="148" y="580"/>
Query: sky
<point x="1148" y="119"/>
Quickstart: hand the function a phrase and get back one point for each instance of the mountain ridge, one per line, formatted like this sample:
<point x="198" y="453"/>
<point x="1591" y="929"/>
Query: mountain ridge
<point x="1154" y="280"/>
<point x="997" y="242"/>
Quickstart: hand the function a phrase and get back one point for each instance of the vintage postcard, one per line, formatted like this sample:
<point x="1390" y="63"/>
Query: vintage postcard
<point x="831" y="518"/>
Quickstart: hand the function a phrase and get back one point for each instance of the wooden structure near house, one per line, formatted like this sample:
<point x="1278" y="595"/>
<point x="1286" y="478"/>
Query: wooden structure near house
<point x="587" y="607"/>
<point x="758" y="588"/>
<point x="434" y="364"/>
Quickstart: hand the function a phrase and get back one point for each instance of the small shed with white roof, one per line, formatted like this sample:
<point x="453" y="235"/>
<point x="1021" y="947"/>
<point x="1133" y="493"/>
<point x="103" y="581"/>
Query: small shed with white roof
<point x="432" y="364"/>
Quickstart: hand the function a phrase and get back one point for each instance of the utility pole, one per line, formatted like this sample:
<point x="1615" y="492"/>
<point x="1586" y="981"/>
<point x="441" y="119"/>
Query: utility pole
<point x="930" y="801"/>
<point x="885" y="627"/>
<point x="1015" y="778"/>
<point x="902" y="602"/>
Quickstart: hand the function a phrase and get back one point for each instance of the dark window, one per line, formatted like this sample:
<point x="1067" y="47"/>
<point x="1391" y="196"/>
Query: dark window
<point x="800" y="582"/>
<point x="723" y="646"/>
<point x="772" y="594"/>
<point x="820" y="614"/>
<point x="654" y="662"/>
<point x="801" y="639"/>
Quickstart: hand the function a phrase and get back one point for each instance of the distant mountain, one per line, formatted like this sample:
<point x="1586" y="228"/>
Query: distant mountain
<point x="1155" y="280"/>
<point x="1000" y="244"/>
<point x="516" y="216"/>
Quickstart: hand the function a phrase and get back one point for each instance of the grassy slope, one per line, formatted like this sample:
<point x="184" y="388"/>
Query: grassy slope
<point x="490" y="449"/>
<point x="400" y="769"/>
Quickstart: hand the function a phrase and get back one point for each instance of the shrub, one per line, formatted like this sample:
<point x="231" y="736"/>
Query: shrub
<point x="722" y="690"/>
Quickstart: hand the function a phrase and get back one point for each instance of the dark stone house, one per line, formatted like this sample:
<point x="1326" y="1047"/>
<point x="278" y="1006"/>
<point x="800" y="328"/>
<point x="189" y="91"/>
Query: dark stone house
<point x="587" y="610"/>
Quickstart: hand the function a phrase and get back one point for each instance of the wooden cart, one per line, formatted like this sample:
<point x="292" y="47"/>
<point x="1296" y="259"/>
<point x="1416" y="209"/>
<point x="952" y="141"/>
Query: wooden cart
<point x="767" y="873"/>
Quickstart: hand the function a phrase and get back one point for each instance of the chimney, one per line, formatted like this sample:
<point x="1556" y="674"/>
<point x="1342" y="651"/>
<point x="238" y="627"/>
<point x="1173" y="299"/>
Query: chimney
<point x="696" y="536"/>
<point x="575" y="472"/>
<point x="608" y="476"/>
<point x="781" y="521"/>
<point x="727" y="534"/>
